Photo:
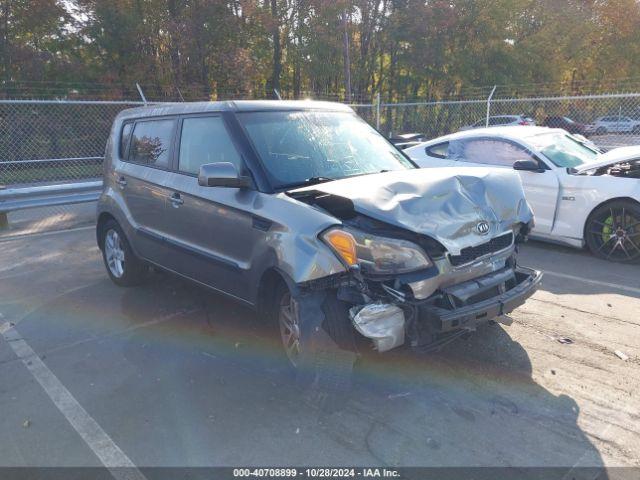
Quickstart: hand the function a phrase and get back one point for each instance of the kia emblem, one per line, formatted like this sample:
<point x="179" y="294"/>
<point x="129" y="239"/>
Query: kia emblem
<point x="483" y="227"/>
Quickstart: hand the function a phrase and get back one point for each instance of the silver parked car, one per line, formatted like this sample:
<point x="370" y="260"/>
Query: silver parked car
<point x="304" y="212"/>
<point x="616" y="124"/>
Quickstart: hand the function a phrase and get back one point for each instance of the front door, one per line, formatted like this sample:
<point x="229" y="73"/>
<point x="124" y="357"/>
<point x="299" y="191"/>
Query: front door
<point x="212" y="229"/>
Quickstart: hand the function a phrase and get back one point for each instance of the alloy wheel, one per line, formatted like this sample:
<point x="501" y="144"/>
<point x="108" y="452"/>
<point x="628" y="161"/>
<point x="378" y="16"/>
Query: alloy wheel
<point x="616" y="234"/>
<point x="289" y="328"/>
<point x="114" y="253"/>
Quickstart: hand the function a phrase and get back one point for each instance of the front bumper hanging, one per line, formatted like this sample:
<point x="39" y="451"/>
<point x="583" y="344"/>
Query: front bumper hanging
<point x="466" y="311"/>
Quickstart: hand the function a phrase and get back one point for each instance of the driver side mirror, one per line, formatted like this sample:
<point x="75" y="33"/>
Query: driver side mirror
<point x="528" y="165"/>
<point x="222" y="174"/>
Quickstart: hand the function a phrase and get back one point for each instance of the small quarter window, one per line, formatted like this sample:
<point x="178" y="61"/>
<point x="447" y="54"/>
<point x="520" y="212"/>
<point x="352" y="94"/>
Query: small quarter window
<point x="439" y="150"/>
<point x="124" y="139"/>
<point x="151" y="142"/>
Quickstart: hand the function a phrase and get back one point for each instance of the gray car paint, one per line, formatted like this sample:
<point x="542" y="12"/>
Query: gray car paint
<point x="445" y="204"/>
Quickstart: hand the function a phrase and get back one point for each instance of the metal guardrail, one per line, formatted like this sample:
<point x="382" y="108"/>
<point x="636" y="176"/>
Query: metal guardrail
<point x="12" y="199"/>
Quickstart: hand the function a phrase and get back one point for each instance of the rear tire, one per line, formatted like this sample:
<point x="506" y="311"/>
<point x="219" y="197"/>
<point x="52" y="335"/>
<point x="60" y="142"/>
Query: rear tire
<point x="612" y="231"/>
<point x="124" y="268"/>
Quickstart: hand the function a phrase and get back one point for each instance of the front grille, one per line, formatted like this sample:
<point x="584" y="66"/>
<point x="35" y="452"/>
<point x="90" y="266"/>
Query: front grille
<point x="469" y="254"/>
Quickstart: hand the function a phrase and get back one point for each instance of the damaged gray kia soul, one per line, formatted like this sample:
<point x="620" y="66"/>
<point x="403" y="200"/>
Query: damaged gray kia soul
<point x="304" y="212"/>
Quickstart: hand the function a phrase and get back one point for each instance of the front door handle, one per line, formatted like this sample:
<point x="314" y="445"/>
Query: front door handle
<point x="122" y="182"/>
<point x="176" y="200"/>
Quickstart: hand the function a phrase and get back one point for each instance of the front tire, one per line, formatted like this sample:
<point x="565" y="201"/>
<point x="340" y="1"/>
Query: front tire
<point x="288" y="320"/>
<point x="612" y="231"/>
<point x="123" y="267"/>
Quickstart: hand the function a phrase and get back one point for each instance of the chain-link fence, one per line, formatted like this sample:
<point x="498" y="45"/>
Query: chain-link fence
<point x="56" y="142"/>
<point x="63" y="141"/>
<point x="49" y="141"/>
<point x="610" y="121"/>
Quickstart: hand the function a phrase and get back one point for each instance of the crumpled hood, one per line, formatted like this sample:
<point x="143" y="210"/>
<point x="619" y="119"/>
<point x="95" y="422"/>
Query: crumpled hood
<point x="444" y="203"/>
<point x="610" y="158"/>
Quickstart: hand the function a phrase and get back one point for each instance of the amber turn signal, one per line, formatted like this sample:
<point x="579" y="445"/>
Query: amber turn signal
<point x="344" y="244"/>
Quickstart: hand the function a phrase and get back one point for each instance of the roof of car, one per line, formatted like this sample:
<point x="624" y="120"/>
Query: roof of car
<point x="185" y="108"/>
<point x="515" y="132"/>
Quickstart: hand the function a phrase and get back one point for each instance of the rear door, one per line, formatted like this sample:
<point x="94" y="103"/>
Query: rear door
<point x="142" y="180"/>
<point x="212" y="230"/>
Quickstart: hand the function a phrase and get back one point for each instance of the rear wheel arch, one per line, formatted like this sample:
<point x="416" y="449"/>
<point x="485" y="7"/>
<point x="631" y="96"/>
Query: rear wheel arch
<point x="103" y="219"/>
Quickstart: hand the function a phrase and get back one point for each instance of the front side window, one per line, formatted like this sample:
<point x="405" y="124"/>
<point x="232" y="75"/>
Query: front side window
<point x="205" y="140"/>
<point x="151" y="142"/>
<point x="298" y="147"/>
<point x="487" y="151"/>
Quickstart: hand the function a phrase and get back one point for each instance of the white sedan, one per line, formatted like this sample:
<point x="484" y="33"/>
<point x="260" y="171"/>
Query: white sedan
<point x="578" y="195"/>
<point x="616" y="124"/>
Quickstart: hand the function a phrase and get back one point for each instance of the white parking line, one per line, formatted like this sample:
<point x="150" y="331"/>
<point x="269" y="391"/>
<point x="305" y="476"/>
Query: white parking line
<point x="592" y="282"/>
<point x="120" y="466"/>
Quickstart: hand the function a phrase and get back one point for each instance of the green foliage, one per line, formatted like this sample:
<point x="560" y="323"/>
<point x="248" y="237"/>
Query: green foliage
<point x="404" y="49"/>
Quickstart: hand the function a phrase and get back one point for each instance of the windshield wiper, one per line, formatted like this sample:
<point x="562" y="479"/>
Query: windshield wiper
<point x="309" y="181"/>
<point x="316" y="180"/>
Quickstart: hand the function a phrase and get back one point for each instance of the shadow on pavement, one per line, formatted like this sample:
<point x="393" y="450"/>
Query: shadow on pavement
<point x="575" y="271"/>
<point x="181" y="377"/>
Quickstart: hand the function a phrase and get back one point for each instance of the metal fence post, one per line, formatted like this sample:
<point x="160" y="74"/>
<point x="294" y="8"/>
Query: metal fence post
<point x="4" y="220"/>
<point x="144" y="99"/>
<point x="378" y="111"/>
<point x="489" y="104"/>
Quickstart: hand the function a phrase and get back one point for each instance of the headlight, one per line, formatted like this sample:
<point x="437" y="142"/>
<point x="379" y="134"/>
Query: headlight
<point x="378" y="255"/>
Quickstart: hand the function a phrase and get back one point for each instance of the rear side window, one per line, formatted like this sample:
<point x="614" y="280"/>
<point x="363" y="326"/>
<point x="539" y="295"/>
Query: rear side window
<point x="124" y="139"/>
<point x="488" y="151"/>
<point x="205" y="140"/>
<point x="439" y="150"/>
<point x="151" y="143"/>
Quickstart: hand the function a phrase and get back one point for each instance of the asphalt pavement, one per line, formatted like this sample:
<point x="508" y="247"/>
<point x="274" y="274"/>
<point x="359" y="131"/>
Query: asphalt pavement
<point x="167" y="374"/>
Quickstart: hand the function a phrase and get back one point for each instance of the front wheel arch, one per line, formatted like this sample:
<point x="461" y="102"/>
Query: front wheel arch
<point x="602" y="204"/>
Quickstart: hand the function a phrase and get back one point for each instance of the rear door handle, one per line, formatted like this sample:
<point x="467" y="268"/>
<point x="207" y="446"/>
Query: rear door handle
<point x="176" y="200"/>
<point x="122" y="182"/>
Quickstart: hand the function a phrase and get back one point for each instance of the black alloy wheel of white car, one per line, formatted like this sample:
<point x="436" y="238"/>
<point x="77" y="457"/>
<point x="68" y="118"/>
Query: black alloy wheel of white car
<point x="612" y="231"/>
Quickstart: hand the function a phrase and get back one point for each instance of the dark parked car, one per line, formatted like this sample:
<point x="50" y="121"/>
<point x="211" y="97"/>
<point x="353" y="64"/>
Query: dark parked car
<point x="567" y="124"/>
